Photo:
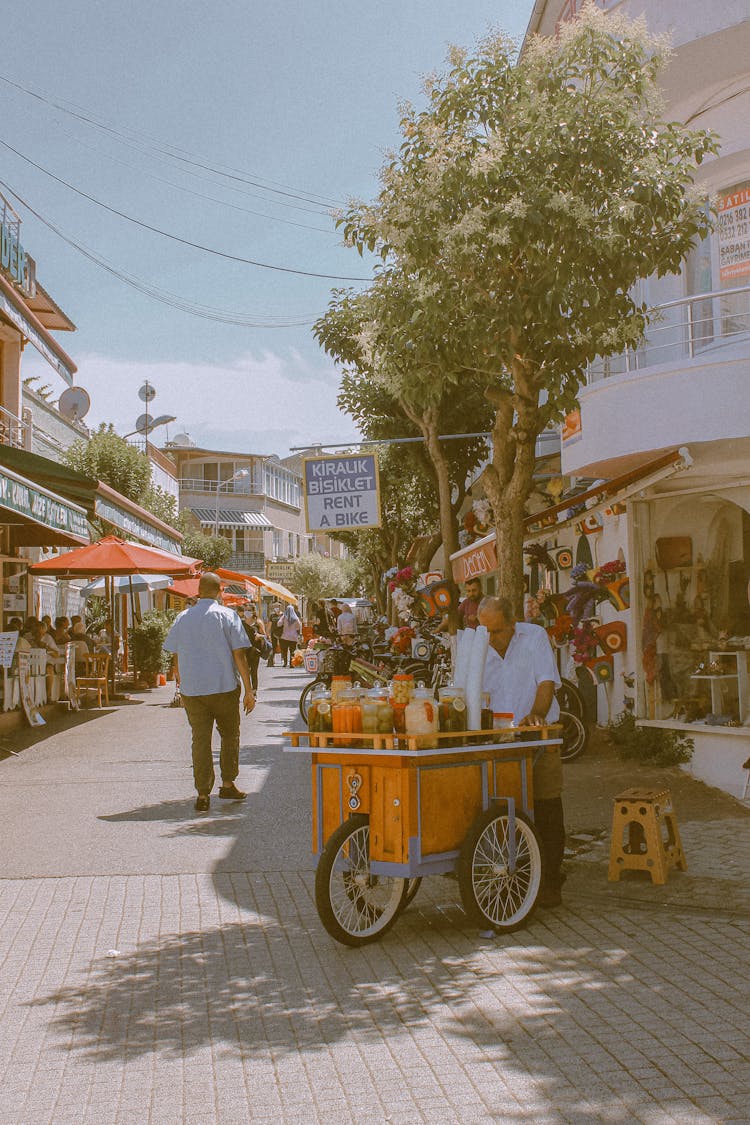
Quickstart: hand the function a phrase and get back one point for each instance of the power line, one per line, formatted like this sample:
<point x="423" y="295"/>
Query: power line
<point x="175" y="237"/>
<point x="206" y="312"/>
<point x="172" y="151"/>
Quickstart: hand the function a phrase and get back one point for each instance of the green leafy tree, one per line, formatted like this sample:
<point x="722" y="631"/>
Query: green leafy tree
<point x="526" y="201"/>
<point x="110" y="458"/>
<point x="213" y="550"/>
<point x="315" y="576"/>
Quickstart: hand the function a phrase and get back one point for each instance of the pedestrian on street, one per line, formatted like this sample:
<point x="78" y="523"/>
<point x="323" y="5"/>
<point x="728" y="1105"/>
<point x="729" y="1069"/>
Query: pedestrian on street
<point x="256" y="634"/>
<point x="276" y="625"/>
<point x="210" y="643"/>
<point x="290" y="633"/>
<point x="521" y="676"/>
<point x="346" y="622"/>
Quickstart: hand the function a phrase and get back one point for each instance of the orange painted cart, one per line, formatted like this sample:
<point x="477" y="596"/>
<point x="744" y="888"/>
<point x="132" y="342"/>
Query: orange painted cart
<point x="387" y="812"/>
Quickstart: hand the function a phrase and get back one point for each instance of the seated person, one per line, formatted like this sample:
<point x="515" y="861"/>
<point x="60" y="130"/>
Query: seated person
<point x="81" y="644"/>
<point x="61" y="632"/>
<point x="346" y="623"/>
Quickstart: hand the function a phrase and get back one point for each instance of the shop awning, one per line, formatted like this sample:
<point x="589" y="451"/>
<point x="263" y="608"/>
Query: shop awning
<point x="228" y="518"/>
<point x="15" y="310"/>
<point x="274" y="588"/>
<point x="481" y="557"/>
<point x="131" y="518"/>
<point x="38" y="517"/>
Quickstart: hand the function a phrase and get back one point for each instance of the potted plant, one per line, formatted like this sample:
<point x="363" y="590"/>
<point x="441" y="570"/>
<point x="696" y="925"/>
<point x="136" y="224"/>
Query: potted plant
<point x="147" y="645"/>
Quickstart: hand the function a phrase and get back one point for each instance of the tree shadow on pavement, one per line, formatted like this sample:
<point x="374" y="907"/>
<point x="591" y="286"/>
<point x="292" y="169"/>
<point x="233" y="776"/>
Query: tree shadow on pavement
<point x="13" y="742"/>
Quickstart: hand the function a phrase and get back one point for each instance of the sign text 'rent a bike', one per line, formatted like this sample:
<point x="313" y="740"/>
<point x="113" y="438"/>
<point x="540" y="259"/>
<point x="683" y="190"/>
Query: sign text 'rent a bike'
<point x="342" y="493"/>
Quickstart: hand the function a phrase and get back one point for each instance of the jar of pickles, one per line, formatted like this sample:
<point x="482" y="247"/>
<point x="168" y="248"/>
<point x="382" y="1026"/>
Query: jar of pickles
<point x="452" y="708"/>
<point x="377" y="713"/>
<point x="319" y="718"/>
<point x="402" y="688"/>
<point x="421" y="716"/>
<point x="347" y="712"/>
<point x="339" y="684"/>
<point x="486" y="721"/>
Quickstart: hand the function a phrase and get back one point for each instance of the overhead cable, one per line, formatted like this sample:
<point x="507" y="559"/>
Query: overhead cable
<point x="206" y="312"/>
<point x="174" y="237"/>
<point x="172" y="151"/>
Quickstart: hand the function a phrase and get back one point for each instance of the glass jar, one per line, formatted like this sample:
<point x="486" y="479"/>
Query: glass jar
<point x="379" y="707"/>
<point x="421" y="716"/>
<point x="402" y="688"/>
<point x="487" y="719"/>
<point x="347" y="712"/>
<point x="319" y="717"/>
<point x="339" y="684"/>
<point x="452" y="708"/>
<point x="502" y="720"/>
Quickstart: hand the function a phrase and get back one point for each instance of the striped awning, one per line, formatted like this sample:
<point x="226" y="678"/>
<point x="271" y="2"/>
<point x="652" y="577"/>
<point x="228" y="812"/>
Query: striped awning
<point x="228" y="518"/>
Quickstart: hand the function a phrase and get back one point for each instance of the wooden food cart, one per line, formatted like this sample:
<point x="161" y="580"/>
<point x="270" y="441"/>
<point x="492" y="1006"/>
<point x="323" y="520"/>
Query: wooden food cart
<point x="388" y="810"/>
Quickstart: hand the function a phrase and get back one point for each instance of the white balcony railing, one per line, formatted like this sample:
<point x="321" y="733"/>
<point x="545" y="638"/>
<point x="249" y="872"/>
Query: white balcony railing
<point x="239" y="487"/>
<point x="13" y="430"/>
<point x="682" y="330"/>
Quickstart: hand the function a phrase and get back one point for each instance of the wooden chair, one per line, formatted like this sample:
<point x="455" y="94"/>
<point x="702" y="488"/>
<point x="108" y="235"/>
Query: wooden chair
<point x="95" y="672"/>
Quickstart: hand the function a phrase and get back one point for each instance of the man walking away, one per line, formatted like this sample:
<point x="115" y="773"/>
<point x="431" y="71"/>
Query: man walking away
<point x="209" y="643"/>
<point x="290" y="632"/>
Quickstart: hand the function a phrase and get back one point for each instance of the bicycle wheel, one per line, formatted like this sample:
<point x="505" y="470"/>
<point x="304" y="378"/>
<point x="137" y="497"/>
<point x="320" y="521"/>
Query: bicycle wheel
<point x="355" y="906"/>
<point x="575" y="736"/>
<point x="412" y="887"/>
<point x="569" y="697"/>
<point x="304" y="699"/>
<point x="493" y="892"/>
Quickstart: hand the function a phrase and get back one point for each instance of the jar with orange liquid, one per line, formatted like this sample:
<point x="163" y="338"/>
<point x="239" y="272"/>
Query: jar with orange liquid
<point x="347" y="712"/>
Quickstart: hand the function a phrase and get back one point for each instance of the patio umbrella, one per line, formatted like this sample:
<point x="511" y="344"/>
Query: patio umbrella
<point x="137" y="584"/>
<point x="111" y="558"/>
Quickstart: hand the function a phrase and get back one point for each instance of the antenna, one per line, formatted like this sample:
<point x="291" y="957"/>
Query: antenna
<point x="147" y="393"/>
<point x="74" y="403"/>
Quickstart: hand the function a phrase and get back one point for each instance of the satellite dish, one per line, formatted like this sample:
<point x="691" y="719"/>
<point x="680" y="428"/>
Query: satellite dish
<point x="147" y="393"/>
<point x="146" y="422"/>
<point x="181" y="439"/>
<point x="74" y="403"/>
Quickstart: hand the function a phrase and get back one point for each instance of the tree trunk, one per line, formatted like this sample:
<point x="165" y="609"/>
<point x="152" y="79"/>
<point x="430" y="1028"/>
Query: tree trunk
<point x="426" y="551"/>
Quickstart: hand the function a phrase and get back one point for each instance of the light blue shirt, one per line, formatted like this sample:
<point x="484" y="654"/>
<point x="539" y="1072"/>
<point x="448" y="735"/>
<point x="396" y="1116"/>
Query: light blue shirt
<point x="205" y="638"/>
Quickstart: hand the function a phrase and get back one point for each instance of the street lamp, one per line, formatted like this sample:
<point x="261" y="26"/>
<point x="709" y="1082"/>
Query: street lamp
<point x="239" y="475"/>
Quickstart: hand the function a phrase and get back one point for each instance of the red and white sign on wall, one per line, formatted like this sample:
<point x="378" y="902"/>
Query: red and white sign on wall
<point x="479" y="558"/>
<point x="734" y="233"/>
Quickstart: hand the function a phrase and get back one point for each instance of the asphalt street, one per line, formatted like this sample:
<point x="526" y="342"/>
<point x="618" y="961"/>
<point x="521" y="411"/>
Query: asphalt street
<point x="161" y="966"/>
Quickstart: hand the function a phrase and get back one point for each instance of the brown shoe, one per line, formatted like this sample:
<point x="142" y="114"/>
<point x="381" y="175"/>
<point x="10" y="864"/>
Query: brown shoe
<point x="231" y="793"/>
<point x="202" y="802"/>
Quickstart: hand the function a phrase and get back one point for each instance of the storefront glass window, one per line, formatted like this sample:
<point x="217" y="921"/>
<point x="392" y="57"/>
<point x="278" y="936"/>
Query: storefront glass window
<point x="692" y="609"/>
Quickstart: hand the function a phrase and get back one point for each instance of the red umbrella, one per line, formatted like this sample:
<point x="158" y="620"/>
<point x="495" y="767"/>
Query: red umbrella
<point x="110" y="558"/>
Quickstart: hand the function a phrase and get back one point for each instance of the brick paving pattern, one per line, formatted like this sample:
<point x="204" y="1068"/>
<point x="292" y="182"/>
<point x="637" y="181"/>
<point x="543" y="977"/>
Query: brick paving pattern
<point x="185" y="977"/>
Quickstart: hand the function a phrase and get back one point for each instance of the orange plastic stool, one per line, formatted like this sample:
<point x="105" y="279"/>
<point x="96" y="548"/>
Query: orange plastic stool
<point x="645" y="836"/>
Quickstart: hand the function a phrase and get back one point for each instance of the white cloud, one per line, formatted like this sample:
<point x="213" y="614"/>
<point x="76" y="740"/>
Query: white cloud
<point x="262" y="403"/>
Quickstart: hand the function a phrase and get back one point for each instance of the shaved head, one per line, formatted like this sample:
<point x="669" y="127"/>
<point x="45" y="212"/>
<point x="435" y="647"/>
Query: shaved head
<point x="209" y="585"/>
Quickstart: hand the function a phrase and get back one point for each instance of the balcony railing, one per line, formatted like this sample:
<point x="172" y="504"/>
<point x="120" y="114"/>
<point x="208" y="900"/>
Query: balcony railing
<point x="684" y="329"/>
<point x="239" y="487"/>
<point x="249" y="560"/>
<point x="13" y="430"/>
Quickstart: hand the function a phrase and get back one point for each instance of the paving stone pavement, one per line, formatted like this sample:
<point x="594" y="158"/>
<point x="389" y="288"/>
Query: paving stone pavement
<point x="158" y="966"/>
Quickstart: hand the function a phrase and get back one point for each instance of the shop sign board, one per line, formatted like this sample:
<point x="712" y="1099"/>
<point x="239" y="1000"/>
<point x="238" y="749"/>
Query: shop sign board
<point x="475" y="561"/>
<point x="14" y="603"/>
<point x="134" y="525"/>
<point x="18" y="266"/>
<point x="26" y="687"/>
<point x="8" y="642"/>
<point x="734" y="234"/>
<point x="342" y="493"/>
<point x="279" y="572"/>
<point x="18" y="495"/>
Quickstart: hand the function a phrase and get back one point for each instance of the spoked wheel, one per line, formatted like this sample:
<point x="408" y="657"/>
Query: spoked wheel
<point x="412" y="886"/>
<point x="569" y="697"/>
<point x="499" y="890"/>
<point x="575" y="736"/>
<point x="304" y="699"/>
<point x="355" y="906"/>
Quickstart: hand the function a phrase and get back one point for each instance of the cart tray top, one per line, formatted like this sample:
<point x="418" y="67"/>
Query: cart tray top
<point x="390" y="749"/>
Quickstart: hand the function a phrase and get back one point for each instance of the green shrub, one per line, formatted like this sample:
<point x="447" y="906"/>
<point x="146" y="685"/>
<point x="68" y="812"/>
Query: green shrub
<point x="655" y="746"/>
<point x="147" y="641"/>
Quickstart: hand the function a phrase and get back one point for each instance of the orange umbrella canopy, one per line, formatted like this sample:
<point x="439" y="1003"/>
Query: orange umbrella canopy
<point x="112" y="556"/>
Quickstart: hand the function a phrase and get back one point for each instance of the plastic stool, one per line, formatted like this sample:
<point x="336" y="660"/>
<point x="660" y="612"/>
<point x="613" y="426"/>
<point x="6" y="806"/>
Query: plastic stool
<point x="645" y="836"/>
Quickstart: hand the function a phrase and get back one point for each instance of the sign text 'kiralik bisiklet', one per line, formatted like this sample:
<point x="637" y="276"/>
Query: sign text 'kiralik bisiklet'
<point x="342" y="493"/>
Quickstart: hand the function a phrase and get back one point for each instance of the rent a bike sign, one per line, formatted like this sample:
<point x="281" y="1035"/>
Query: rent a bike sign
<point x="342" y="493"/>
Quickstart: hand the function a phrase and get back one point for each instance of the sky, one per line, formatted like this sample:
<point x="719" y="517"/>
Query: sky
<point x="236" y="125"/>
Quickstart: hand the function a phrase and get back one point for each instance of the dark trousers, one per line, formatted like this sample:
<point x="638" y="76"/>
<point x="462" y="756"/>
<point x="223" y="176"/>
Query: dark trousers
<point x="550" y="825"/>
<point x="222" y="708"/>
<point x="287" y="650"/>
<point x="253" y="660"/>
<point x="275" y="640"/>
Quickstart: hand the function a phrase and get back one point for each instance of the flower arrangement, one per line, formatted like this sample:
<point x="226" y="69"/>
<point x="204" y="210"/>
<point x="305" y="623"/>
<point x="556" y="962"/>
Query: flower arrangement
<point x="608" y="572"/>
<point x="403" y="589"/>
<point x="585" y="642"/>
<point x="478" y="520"/>
<point x="401" y="640"/>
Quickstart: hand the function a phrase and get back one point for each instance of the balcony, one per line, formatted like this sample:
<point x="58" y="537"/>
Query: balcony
<point x="14" y="431"/>
<point x="686" y="384"/>
<point x="250" y="561"/>
<point x="227" y="487"/>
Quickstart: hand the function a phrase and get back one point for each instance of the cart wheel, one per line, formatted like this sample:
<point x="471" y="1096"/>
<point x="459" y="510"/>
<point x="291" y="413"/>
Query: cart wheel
<point x="491" y="893"/>
<point x="569" y="697"/>
<point x="412" y="886"/>
<point x="354" y="906"/>
<point x="575" y="736"/>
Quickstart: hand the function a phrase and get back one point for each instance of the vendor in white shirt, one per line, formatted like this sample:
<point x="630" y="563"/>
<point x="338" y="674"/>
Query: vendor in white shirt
<point x="521" y="675"/>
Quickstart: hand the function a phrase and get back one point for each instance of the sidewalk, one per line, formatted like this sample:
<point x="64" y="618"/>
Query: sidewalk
<point x="158" y="966"/>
